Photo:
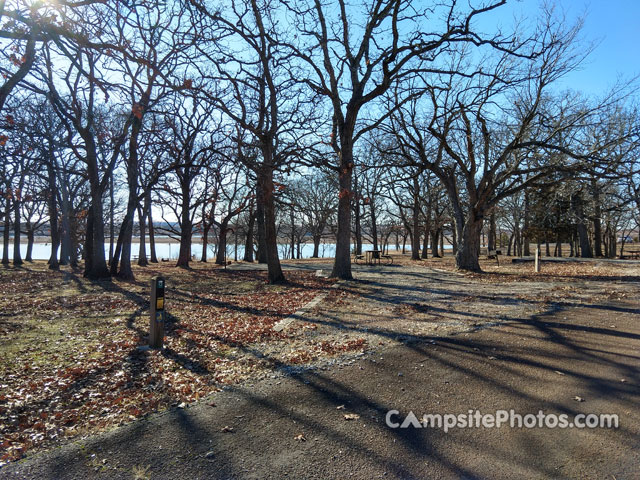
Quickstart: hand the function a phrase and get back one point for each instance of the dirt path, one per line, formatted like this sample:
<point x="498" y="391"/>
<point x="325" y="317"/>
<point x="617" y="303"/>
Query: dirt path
<point x="438" y="343"/>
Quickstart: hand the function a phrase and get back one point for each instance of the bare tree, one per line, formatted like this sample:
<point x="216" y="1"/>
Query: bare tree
<point x="257" y="89"/>
<point x="353" y="63"/>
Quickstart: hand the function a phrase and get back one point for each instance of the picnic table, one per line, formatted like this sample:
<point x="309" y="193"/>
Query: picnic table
<point x="372" y="257"/>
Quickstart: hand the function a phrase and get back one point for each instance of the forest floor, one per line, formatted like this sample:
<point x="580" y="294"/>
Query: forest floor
<point x="411" y="336"/>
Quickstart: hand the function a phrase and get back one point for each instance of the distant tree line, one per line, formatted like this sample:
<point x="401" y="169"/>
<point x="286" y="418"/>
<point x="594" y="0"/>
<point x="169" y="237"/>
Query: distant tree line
<point x="389" y="122"/>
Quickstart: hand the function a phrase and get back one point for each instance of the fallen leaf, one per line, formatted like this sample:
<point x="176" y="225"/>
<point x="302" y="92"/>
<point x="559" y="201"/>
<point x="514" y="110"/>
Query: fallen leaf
<point x="227" y="429"/>
<point x="301" y="438"/>
<point x="578" y="399"/>
<point x="351" y="416"/>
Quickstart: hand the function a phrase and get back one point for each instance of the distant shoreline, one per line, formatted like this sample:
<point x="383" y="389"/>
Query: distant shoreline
<point x="195" y="240"/>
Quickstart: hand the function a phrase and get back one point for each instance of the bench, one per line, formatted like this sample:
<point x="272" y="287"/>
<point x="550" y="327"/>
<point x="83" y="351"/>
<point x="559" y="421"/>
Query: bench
<point x="631" y="255"/>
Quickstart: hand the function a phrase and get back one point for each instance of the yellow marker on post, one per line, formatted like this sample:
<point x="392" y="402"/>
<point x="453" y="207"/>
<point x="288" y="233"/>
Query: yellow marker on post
<point x="157" y="313"/>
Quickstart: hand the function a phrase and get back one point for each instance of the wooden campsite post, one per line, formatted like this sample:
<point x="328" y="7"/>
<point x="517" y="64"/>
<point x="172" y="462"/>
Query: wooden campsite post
<point x="537" y="259"/>
<point x="157" y="313"/>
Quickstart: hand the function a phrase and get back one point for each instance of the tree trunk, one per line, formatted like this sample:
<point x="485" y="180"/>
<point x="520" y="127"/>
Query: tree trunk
<point x="454" y="238"/>
<point x="235" y="242"/>
<point x="5" y="231"/>
<point x="492" y="231"/>
<point x="248" y="244"/>
<point x="206" y="227"/>
<point x="186" y="229"/>
<point x="152" y="238"/>
<point x="112" y="226"/>
<point x="374" y="224"/>
<point x="30" y="241"/>
<point x="17" y="257"/>
<point x="546" y="242"/>
<point x="357" y="216"/>
<point x="122" y="254"/>
<point x="583" y="234"/>
<point x="293" y="233"/>
<point x="342" y="261"/>
<point x="435" y="234"/>
<point x="270" y="233"/>
<point x="221" y="256"/>
<point x="597" y="222"/>
<point x="142" y="250"/>
<point x="262" y="243"/>
<point x="468" y="252"/>
<point x="95" y="263"/>
<point x="316" y="246"/>
<point x="526" y="237"/>
<point x="65" y="244"/>
<point x="53" y="214"/>
<point x="427" y="232"/>
<point x="415" y="234"/>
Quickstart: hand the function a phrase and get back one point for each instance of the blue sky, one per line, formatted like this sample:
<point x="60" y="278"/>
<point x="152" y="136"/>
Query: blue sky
<point x="614" y="25"/>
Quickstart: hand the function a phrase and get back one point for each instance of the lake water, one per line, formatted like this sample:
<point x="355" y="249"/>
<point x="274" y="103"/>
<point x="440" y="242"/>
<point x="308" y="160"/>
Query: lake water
<point x="42" y="251"/>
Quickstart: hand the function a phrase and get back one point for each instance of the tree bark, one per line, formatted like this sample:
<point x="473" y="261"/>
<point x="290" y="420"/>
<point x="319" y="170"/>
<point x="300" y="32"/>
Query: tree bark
<point x="248" y="244"/>
<point x="30" y="241"/>
<point x="65" y="220"/>
<point x="186" y="228"/>
<point x="491" y="245"/>
<point x="112" y="226"/>
<point x="415" y="234"/>
<point x="152" y="238"/>
<point x="527" y="238"/>
<point x="468" y="253"/>
<point x="583" y="234"/>
<point x="435" y="234"/>
<point x="357" y="216"/>
<point x="597" y="222"/>
<point x="17" y="256"/>
<point x="275" y="273"/>
<point x="221" y="256"/>
<point x="292" y="220"/>
<point x="262" y="244"/>
<point x="342" y="261"/>
<point x="142" y="250"/>
<point x="53" y="214"/>
<point x="205" y="241"/>
<point x="5" y="231"/>
<point x="122" y="254"/>
<point x="95" y="264"/>
<point x="374" y="224"/>
<point x="316" y="246"/>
